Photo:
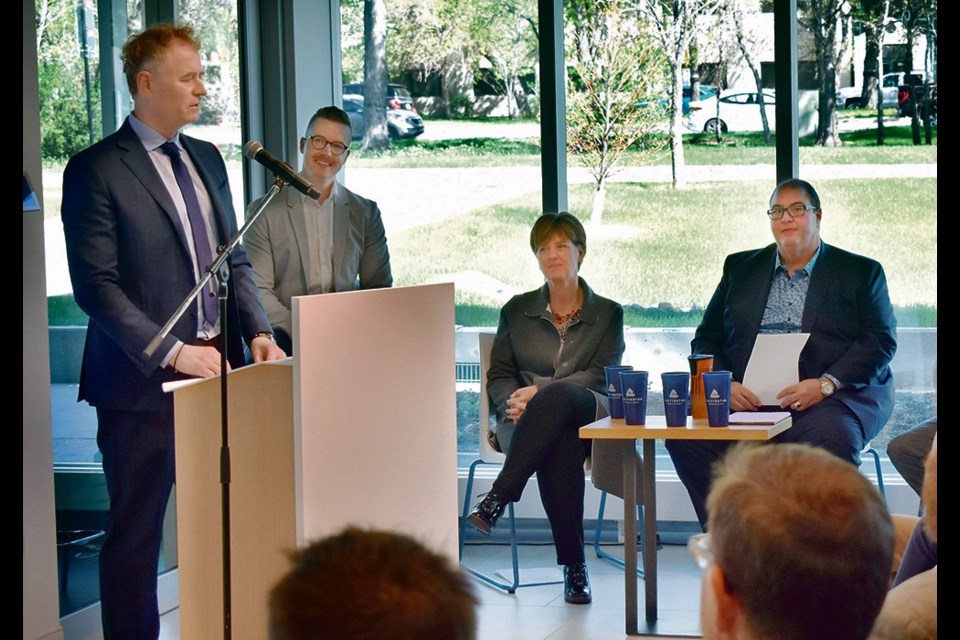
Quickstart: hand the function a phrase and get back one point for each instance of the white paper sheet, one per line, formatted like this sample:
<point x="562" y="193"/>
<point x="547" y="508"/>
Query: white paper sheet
<point x="774" y="364"/>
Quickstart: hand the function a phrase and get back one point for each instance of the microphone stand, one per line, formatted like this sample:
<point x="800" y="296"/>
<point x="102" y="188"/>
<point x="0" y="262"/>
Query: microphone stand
<point x="221" y="269"/>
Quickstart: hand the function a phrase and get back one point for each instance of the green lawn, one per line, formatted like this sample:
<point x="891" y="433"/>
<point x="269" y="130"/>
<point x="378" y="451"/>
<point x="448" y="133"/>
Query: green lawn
<point x="660" y="248"/>
<point x="859" y="147"/>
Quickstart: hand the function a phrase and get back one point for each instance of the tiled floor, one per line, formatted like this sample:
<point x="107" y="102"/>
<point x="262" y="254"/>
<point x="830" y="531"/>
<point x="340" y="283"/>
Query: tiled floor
<point x="539" y="613"/>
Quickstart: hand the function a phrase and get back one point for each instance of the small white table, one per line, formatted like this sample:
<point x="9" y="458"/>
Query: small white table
<point x="611" y="429"/>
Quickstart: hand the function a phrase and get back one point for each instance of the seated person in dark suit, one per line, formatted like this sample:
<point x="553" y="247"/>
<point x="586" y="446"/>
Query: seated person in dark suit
<point x="361" y="584"/>
<point x="300" y="246"/>
<point x="800" y="547"/>
<point x="800" y="284"/>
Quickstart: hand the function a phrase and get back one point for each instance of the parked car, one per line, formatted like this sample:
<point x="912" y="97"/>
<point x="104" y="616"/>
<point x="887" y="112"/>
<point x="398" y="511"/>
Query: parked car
<point x="706" y="92"/>
<point x="397" y="95"/>
<point x="738" y="111"/>
<point x="910" y="97"/>
<point x="848" y="97"/>
<point x="401" y="123"/>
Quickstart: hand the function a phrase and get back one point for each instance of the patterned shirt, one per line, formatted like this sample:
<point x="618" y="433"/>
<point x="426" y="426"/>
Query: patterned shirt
<point x="788" y="294"/>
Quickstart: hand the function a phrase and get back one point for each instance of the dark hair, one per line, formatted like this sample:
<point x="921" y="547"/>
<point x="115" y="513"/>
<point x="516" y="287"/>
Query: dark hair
<point x="803" y="185"/>
<point x="562" y="223"/>
<point x="141" y="49"/>
<point x="804" y="541"/>
<point x="361" y="584"/>
<point x="332" y="113"/>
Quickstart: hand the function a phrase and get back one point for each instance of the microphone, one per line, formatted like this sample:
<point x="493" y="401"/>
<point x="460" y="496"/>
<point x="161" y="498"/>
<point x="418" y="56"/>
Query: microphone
<point x="255" y="151"/>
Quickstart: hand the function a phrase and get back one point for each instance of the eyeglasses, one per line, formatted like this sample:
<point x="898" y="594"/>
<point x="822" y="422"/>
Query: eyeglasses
<point x="795" y="210"/>
<point x="699" y="546"/>
<point x="319" y="143"/>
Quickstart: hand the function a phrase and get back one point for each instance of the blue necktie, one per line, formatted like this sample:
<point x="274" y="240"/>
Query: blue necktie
<point x="201" y="241"/>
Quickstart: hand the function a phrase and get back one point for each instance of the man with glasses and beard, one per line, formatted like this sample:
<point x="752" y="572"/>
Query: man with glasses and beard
<point x="800" y="284"/>
<point x="303" y="246"/>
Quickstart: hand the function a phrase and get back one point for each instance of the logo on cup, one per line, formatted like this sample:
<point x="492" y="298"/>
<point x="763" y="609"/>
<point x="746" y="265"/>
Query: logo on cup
<point x="630" y="393"/>
<point x="714" y="395"/>
<point x="673" y="394"/>
<point x="611" y="389"/>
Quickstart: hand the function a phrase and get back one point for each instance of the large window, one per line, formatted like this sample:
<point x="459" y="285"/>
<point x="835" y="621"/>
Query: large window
<point x="72" y="117"/>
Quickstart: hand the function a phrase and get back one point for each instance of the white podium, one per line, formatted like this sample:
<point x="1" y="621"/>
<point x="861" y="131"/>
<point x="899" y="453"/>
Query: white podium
<point x="358" y="429"/>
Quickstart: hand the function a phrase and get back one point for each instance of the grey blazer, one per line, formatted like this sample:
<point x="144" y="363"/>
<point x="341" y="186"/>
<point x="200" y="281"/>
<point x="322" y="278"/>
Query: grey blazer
<point x="527" y="351"/>
<point x="277" y="247"/>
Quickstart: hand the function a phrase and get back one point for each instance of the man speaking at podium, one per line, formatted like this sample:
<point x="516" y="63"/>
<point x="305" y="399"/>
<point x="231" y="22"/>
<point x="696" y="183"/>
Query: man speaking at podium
<point x="301" y="246"/>
<point x="143" y="212"/>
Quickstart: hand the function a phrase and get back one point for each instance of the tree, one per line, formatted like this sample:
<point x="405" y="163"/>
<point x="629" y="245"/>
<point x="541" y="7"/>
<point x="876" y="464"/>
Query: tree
<point x="747" y="42"/>
<point x="613" y="98"/>
<point x="822" y="19"/>
<point x="69" y="97"/>
<point x="375" y="137"/>
<point x="508" y="36"/>
<point x="434" y="37"/>
<point x="675" y="21"/>
<point x="215" y="22"/>
<point x="872" y="16"/>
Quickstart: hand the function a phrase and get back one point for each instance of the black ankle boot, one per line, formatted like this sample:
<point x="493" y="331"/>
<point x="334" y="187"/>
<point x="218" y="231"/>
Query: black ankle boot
<point x="576" y="584"/>
<point x="486" y="513"/>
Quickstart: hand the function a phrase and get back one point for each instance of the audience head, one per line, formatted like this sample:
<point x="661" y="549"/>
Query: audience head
<point x="801" y="547"/>
<point x="563" y="224"/>
<point x="362" y="584"/>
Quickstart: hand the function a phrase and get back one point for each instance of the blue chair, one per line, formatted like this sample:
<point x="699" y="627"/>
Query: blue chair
<point x="490" y="456"/>
<point x="876" y="460"/>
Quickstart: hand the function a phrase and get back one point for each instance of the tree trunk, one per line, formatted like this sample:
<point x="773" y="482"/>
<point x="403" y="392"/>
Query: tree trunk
<point x="871" y="74"/>
<point x="678" y="166"/>
<point x="375" y="137"/>
<point x="827" y="135"/>
<point x="599" y="201"/>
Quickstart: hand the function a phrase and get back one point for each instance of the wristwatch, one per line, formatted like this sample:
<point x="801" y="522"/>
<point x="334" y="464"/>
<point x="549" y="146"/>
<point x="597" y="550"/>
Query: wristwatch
<point x="266" y="334"/>
<point x="827" y="387"/>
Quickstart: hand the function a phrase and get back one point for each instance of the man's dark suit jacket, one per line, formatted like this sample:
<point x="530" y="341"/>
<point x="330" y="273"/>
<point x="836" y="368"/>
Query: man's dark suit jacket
<point x="131" y="267"/>
<point x="847" y="314"/>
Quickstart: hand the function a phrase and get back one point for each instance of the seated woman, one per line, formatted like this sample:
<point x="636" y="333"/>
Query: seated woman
<point x="546" y="381"/>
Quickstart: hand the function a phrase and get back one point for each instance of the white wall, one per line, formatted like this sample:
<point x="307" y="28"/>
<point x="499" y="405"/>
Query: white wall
<point x="40" y="599"/>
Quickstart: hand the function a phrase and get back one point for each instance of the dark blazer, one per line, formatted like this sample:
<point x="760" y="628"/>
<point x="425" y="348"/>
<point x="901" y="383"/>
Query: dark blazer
<point x="847" y="314"/>
<point x="278" y="250"/>
<point x="527" y="349"/>
<point x="131" y="267"/>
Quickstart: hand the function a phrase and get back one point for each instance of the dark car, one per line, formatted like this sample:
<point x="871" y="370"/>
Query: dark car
<point x="397" y="95"/>
<point x="401" y="123"/>
<point x="911" y="98"/>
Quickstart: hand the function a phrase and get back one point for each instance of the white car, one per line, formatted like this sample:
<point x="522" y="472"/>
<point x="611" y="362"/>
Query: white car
<point x="732" y="110"/>
<point x="848" y="97"/>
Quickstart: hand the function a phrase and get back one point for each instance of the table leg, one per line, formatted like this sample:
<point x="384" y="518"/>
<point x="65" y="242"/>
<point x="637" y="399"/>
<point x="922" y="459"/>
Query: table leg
<point x="630" y="538"/>
<point x="649" y="528"/>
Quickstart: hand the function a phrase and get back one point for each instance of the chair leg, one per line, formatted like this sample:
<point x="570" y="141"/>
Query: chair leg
<point x="876" y="460"/>
<point x="603" y="555"/>
<point x="466" y="503"/>
<point x="509" y="587"/>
